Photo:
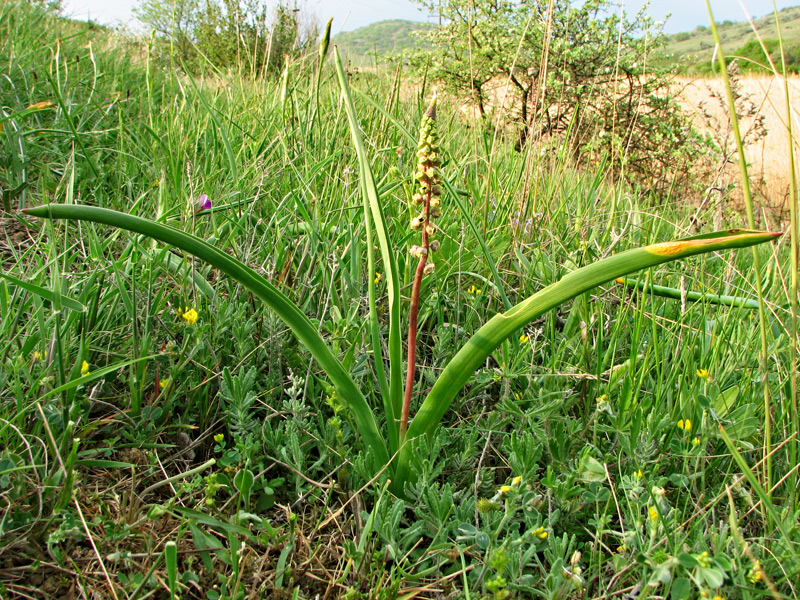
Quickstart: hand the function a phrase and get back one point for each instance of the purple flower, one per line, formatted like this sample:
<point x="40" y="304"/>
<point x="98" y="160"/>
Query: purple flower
<point x="203" y="203"/>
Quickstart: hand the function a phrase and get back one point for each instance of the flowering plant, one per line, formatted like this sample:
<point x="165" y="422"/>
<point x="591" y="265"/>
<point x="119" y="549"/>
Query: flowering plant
<point x="393" y="448"/>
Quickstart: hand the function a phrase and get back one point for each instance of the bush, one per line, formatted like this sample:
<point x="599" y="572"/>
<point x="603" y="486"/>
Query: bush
<point x="605" y="94"/>
<point x="754" y="59"/>
<point x="241" y="34"/>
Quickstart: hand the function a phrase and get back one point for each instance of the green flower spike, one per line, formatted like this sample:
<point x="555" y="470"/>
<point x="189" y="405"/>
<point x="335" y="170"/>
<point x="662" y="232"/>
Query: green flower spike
<point x="428" y="195"/>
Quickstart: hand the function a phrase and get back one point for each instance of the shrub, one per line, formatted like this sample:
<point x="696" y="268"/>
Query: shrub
<point x="241" y="34"/>
<point x="577" y="69"/>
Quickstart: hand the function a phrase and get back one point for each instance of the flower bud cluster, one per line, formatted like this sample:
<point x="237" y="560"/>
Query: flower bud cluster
<point x="428" y="195"/>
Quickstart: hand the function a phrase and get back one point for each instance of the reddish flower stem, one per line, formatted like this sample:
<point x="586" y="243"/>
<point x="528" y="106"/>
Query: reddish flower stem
<point x="413" y="313"/>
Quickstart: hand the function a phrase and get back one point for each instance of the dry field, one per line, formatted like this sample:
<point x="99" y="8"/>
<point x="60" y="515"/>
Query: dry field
<point x="767" y="155"/>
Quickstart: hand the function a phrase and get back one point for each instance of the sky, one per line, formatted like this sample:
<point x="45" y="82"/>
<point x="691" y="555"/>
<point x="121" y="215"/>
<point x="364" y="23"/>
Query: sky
<point x="352" y="14"/>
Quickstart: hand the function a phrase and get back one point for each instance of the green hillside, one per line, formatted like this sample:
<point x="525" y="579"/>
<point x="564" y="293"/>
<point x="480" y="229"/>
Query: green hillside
<point x="378" y="39"/>
<point x="693" y="50"/>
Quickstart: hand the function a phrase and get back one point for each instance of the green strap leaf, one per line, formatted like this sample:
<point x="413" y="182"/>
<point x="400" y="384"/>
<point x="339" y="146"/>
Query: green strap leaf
<point x="300" y="325"/>
<point x="372" y="207"/>
<point x="675" y="294"/>
<point x="502" y="326"/>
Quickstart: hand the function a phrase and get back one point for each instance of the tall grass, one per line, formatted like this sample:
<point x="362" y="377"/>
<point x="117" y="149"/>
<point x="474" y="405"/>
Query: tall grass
<point x="585" y="411"/>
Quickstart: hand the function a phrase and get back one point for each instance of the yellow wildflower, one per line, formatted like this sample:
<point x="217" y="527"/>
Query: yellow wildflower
<point x="524" y="338"/>
<point x="219" y="438"/>
<point x="540" y="533"/>
<point x="38" y="355"/>
<point x="696" y="442"/>
<point x="189" y="315"/>
<point x="474" y="291"/>
<point x="638" y="474"/>
<point x="85" y="369"/>
<point x="164" y="383"/>
<point x="685" y="425"/>
<point x="516" y="480"/>
<point x="703" y="374"/>
<point x="377" y="278"/>
<point x="504" y="489"/>
<point x="653" y="512"/>
<point x="755" y="573"/>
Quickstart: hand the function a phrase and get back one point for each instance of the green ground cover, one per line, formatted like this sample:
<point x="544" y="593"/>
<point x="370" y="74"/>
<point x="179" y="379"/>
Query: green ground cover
<point x="163" y="434"/>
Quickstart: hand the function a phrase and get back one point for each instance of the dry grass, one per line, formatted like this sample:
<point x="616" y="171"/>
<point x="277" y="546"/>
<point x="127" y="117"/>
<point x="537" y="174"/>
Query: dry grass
<point x="767" y="155"/>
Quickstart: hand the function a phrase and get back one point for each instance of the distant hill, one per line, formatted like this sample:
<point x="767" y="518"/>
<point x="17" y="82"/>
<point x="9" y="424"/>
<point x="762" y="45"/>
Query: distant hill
<point x="360" y="46"/>
<point x="694" y="50"/>
<point x="691" y="50"/>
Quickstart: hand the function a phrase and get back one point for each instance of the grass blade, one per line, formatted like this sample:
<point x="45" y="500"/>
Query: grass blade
<point x="373" y="208"/>
<point x="45" y="293"/>
<point x="751" y="220"/>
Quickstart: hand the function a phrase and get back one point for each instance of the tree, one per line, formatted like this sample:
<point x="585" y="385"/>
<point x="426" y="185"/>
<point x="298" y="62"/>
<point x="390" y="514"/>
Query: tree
<point x="578" y="68"/>
<point x="243" y="34"/>
<point x="175" y="20"/>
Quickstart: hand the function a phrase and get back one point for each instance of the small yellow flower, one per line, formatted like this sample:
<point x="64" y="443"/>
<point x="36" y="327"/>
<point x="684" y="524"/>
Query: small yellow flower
<point x="718" y="598"/>
<point x="164" y="383"/>
<point x="517" y="480"/>
<point x="540" y="533"/>
<point x="38" y="355"/>
<point x="85" y="369"/>
<point x="377" y="278"/>
<point x="524" y="338"/>
<point x="703" y="374"/>
<point x="653" y="512"/>
<point x="685" y="425"/>
<point x="504" y="489"/>
<point x="696" y="442"/>
<point x="638" y="474"/>
<point x="623" y="549"/>
<point x="473" y="291"/>
<point x="755" y="573"/>
<point x="189" y="315"/>
<point x="219" y="438"/>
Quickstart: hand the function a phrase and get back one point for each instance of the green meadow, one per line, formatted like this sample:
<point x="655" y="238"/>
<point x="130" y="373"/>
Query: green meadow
<point x="210" y="284"/>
